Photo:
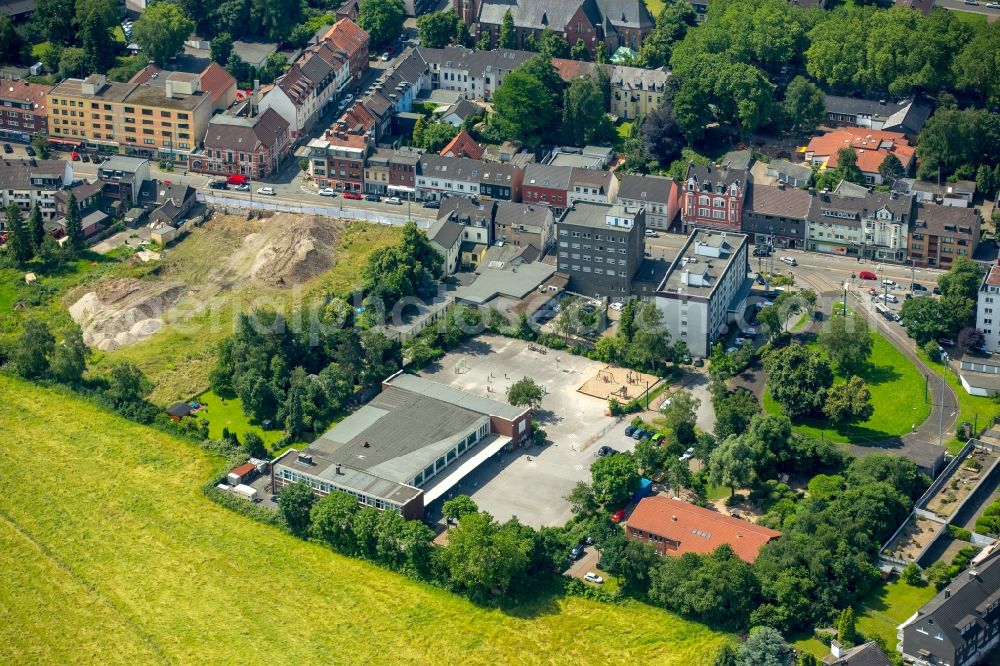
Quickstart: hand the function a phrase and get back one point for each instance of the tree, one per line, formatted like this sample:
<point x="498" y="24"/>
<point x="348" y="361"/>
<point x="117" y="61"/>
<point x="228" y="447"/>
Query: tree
<point x="954" y="139"/>
<point x="650" y="340"/>
<point x="678" y="475"/>
<point x="581" y="499"/>
<point x="36" y="228"/>
<point x="733" y="410"/>
<point x="419" y="125"/>
<point x="650" y="457"/>
<point x="552" y="45"/>
<point x="583" y="116"/>
<point x="254" y="445"/>
<point x="161" y="31"/>
<point x="483" y="557"/>
<point x="671" y="26"/>
<point x="274" y="19"/>
<point x="295" y="502"/>
<point x="925" y="319"/>
<point x="457" y="507"/>
<point x="898" y="472"/>
<point x="74" y="226"/>
<point x="331" y="518"/>
<point x="10" y="41"/>
<point x="51" y="18"/>
<point x="381" y="19"/>
<point x="850" y="401"/>
<point x="846" y="632"/>
<point x="848" y="342"/>
<point x="41" y="145"/>
<point x="523" y="107"/>
<point x="805" y="104"/>
<point x="73" y="62"/>
<point x="662" y="136"/>
<point x="579" y="51"/>
<point x="95" y="19"/>
<point x="680" y="412"/>
<point x="30" y="358"/>
<point x="973" y="72"/>
<point x="847" y="166"/>
<point x="970" y="339"/>
<point x="525" y="392"/>
<point x="437" y="29"/>
<point x="19" y="242"/>
<point x="764" y="647"/>
<point x="436" y="136"/>
<point x="614" y="479"/>
<point x="507" y="37"/>
<point x="730" y="464"/>
<point x="891" y="169"/>
<point x="962" y="280"/>
<point x="798" y="378"/>
<point x="912" y="575"/>
<point x="69" y="358"/>
<point x="222" y="48"/>
<point x="127" y="385"/>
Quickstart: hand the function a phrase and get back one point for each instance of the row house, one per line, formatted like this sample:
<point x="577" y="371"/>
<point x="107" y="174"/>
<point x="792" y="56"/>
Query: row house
<point x="400" y="85"/>
<point x="403" y="166"/>
<point x="871" y="147"/>
<point x="163" y="117"/>
<point x="593" y="185"/>
<point x="656" y="194"/>
<point x="522" y="224"/>
<point x="377" y="172"/>
<point x="305" y="91"/>
<point x="476" y="74"/>
<point x="500" y="182"/>
<point x="713" y="198"/>
<point x="338" y="160"/>
<point x="241" y="143"/>
<point x="353" y="41"/>
<point x="941" y="234"/>
<point x="30" y="183"/>
<point x="777" y="215"/>
<point x="22" y="109"/>
<point x="122" y="180"/>
<point x="875" y="226"/>
<point x="547" y="185"/>
<point x="439" y="177"/>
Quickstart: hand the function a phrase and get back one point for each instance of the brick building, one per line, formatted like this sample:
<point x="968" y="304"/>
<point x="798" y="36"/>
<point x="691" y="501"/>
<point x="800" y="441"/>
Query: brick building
<point x="239" y="144"/>
<point x="712" y="197"/>
<point x="22" y="109"/>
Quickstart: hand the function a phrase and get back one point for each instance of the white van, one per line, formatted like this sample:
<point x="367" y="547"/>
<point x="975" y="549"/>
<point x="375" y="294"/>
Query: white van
<point x="889" y="298"/>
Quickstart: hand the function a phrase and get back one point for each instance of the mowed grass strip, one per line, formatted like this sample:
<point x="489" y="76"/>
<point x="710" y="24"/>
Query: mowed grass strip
<point x="141" y="567"/>
<point x="897" y="389"/>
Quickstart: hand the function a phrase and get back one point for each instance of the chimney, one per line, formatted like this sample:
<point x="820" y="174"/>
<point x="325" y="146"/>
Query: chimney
<point x="947" y="593"/>
<point x="673" y="518"/>
<point x="836" y="649"/>
<point x="338" y="468"/>
<point x="973" y="574"/>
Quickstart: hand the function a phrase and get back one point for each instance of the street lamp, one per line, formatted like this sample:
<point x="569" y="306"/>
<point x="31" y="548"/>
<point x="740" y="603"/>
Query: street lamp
<point x="846" y="285"/>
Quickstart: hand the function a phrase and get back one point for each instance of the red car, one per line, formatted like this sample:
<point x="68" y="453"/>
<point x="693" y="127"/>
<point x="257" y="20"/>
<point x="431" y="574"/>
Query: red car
<point x="352" y="195"/>
<point x="867" y="275"/>
<point x="618" y="516"/>
<point x="873" y="291"/>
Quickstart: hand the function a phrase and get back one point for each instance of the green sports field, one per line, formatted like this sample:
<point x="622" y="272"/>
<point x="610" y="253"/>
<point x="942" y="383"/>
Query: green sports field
<point x="111" y="554"/>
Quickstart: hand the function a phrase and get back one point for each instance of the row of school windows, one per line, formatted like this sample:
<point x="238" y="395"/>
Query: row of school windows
<point x="326" y="488"/>
<point x="447" y="459"/>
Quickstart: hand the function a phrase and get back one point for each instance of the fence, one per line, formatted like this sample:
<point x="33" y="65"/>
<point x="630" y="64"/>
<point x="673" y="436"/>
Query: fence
<point x="278" y="206"/>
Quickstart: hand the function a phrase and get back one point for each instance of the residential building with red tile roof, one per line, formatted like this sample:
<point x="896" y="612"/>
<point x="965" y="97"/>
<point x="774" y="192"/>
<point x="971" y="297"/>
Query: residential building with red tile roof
<point x="675" y="527"/>
<point x="25" y="109"/>
<point x="352" y="40"/>
<point x="870" y="146"/>
<point x="309" y="86"/>
<point x="237" y="144"/>
<point x="338" y="160"/>
<point x="463" y="145"/>
<point x="220" y="84"/>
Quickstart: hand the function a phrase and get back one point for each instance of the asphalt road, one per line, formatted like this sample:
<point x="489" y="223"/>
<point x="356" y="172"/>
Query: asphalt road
<point x="959" y="5"/>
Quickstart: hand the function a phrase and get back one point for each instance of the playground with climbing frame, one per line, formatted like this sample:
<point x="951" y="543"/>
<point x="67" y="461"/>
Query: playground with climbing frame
<point x="620" y="383"/>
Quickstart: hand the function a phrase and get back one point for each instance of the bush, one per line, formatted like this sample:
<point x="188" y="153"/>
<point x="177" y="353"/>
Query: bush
<point x="825" y="637"/>
<point x="577" y="588"/>
<point x="959" y="533"/>
<point x="735" y="500"/>
<point x="912" y="575"/>
<point x="933" y="350"/>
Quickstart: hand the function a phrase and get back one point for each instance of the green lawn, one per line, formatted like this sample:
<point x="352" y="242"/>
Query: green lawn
<point x="111" y="554"/>
<point x="977" y="410"/>
<point x="221" y="413"/>
<point x="881" y="612"/>
<point x="897" y="388"/>
<point x="622" y="131"/>
<point x="971" y="18"/>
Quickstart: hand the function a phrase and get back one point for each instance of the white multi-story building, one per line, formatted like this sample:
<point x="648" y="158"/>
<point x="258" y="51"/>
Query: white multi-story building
<point x="874" y="225"/>
<point x="988" y="309"/>
<point x="30" y="183"/>
<point x="312" y="83"/>
<point x="704" y="288"/>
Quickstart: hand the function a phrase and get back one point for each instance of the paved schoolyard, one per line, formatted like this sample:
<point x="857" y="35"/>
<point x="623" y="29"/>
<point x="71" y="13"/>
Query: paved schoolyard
<point x="531" y="483"/>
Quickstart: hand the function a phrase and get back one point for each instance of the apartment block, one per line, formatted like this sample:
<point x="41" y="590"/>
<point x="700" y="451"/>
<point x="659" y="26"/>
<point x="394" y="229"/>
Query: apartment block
<point x="601" y="248"/>
<point x="30" y="183"/>
<point x="22" y="109"/>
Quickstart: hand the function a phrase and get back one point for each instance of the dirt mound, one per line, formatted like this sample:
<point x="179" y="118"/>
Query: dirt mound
<point x="287" y="250"/>
<point x="123" y="311"/>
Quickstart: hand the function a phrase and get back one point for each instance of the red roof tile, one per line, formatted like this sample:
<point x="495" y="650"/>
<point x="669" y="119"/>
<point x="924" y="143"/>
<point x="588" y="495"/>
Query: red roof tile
<point x="346" y="35"/>
<point x="215" y="80"/>
<point x="871" y="147"/>
<point x="463" y="145"/>
<point x="699" y="530"/>
<point x="20" y="91"/>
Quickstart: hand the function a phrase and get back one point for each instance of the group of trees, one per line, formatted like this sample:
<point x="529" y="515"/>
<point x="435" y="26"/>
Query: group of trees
<point x="800" y="378"/>
<point x="432" y="137"/>
<point x="79" y="33"/>
<point x="382" y="19"/>
<point x="642" y="341"/>
<point x="27" y="240"/>
<point x="483" y="559"/>
<point x="960" y="143"/>
<point x="927" y="319"/>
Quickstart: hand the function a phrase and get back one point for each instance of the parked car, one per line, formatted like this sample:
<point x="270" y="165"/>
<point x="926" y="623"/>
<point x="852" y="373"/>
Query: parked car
<point x="867" y="275"/>
<point x="993" y="5"/>
<point x="432" y="204"/>
<point x="7" y="148"/>
<point x="385" y="57"/>
<point x="698" y="362"/>
<point x="30" y="151"/>
<point x="327" y="192"/>
<point x="591" y="577"/>
<point x="946" y="342"/>
<point x="936" y="291"/>
<point x="789" y="260"/>
<point x="355" y="196"/>
<point x="618" y="516"/>
<point x="916" y="286"/>
<point x="618" y="306"/>
<point x="629" y="430"/>
<point x="605" y="451"/>
<point x="83" y="156"/>
<point x="889" y="298"/>
<point x="732" y="350"/>
<point x="242" y="188"/>
<point x="975" y="3"/>
<point x="372" y="197"/>
<point x="873" y="291"/>
<point x="762" y="251"/>
<point x="638" y="434"/>
<point x="759" y="279"/>
<point x="393" y="200"/>
<point x="652" y="234"/>
<point x="576" y="553"/>
<point x="218" y="185"/>
<point x="268" y="191"/>
<point x="889" y="283"/>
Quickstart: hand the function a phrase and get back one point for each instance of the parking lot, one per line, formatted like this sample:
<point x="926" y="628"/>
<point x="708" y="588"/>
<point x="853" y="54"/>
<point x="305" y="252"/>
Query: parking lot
<point x="530" y="483"/>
